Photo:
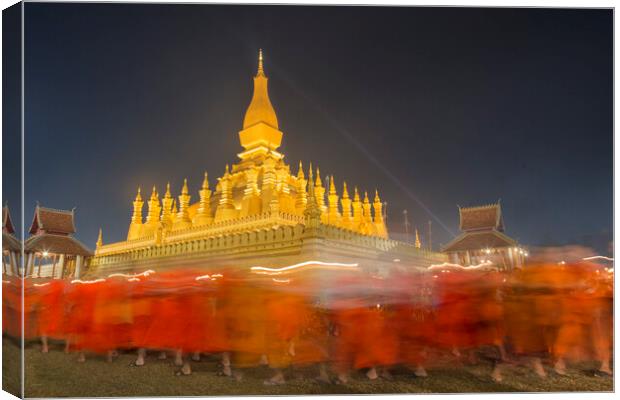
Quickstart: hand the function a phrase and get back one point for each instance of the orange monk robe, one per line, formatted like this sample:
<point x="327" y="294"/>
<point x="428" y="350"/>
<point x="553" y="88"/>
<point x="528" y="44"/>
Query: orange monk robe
<point x="348" y="318"/>
<point x="245" y="315"/>
<point x="284" y="316"/>
<point x="52" y="311"/>
<point x="378" y="336"/>
<point x="602" y="312"/>
<point x="413" y="319"/>
<point x="11" y="306"/>
<point x="455" y="315"/>
<point x="141" y="309"/>
<point x="311" y="346"/>
<point x="31" y="308"/>
<point x="580" y="302"/>
<point x="112" y="317"/>
<point x="81" y="299"/>
<point x="217" y="339"/>
<point x="167" y="326"/>
<point x="522" y="323"/>
<point x="488" y="308"/>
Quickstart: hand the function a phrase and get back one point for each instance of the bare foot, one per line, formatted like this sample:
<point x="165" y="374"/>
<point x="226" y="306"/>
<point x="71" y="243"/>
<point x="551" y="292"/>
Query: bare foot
<point x="372" y="374"/>
<point x="178" y="358"/>
<point x="196" y="356"/>
<point x="496" y="375"/>
<point x="186" y="369"/>
<point x="538" y="368"/>
<point x="604" y="368"/>
<point x="81" y="357"/>
<point x="420" y="372"/>
<point x="162" y="356"/>
<point x="560" y="367"/>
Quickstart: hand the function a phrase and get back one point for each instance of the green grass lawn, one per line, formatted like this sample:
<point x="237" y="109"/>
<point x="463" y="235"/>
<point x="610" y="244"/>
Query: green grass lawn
<point x="58" y="375"/>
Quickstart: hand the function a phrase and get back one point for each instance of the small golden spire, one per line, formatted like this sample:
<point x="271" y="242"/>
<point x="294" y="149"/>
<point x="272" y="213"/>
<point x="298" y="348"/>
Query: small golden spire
<point x="174" y="207"/>
<point x="318" y="182"/>
<point x="205" y="182"/>
<point x="332" y="186"/>
<point x="366" y="201"/>
<point x="260" y="63"/>
<point x="300" y="173"/>
<point x="377" y="199"/>
<point x="310" y="176"/>
<point x="345" y="191"/>
<point x="356" y="195"/>
<point x="138" y="197"/>
<point x="185" y="190"/>
<point x="168" y="195"/>
<point x="154" y="194"/>
<point x="227" y="172"/>
<point x="100" y="239"/>
<point x="417" y="239"/>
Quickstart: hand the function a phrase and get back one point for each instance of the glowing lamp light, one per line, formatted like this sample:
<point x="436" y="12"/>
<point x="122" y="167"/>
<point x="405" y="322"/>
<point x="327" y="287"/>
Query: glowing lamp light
<point x="45" y="254"/>
<point x="488" y="251"/>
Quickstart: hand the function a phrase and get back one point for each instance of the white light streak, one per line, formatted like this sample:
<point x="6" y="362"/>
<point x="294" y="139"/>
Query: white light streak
<point x="303" y="264"/>
<point x="87" y="282"/>
<point x="598" y="258"/>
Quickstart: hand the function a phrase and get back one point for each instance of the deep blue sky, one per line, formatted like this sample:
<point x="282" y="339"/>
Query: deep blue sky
<point x="459" y="106"/>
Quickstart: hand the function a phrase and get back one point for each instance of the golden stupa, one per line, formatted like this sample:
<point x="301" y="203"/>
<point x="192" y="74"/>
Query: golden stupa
<point x="258" y="210"/>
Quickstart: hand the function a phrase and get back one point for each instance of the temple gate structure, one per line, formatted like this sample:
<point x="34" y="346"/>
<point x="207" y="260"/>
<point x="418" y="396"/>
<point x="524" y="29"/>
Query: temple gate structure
<point x="51" y="251"/>
<point x="11" y="246"/>
<point x="483" y="239"/>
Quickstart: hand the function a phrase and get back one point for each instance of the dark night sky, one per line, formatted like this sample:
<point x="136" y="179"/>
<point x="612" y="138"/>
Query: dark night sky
<point x="458" y="106"/>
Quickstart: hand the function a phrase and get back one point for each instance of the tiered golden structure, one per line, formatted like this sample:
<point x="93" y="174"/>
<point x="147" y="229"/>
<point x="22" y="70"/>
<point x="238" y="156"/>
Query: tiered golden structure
<point x="260" y="184"/>
<point x="257" y="194"/>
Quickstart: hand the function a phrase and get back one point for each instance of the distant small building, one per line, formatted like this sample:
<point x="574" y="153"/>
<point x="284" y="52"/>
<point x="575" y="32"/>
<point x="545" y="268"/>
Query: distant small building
<point x="483" y="239"/>
<point x="52" y="251"/>
<point x="11" y="246"/>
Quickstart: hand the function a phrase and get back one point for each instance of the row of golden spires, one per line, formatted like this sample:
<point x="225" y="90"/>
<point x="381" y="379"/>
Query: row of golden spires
<point x="354" y="214"/>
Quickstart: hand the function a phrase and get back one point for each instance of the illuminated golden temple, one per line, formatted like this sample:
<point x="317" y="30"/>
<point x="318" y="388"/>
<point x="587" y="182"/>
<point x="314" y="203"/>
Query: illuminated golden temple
<point x="258" y="210"/>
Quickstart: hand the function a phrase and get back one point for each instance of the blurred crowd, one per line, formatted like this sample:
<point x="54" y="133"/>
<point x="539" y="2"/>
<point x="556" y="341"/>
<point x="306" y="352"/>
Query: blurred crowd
<point x="545" y="316"/>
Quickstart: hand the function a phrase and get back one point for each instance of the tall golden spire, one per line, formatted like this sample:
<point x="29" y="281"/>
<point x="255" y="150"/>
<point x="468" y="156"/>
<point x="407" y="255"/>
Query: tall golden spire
<point x="301" y="198"/>
<point x="154" y="208"/>
<point x="379" y="222"/>
<point x="137" y="209"/>
<point x="135" y="227"/>
<point x="345" y="201"/>
<point x="312" y="211"/>
<point x="166" y="215"/>
<point x="182" y="220"/>
<point x="203" y="215"/>
<point x="260" y="109"/>
<point x="357" y="210"/>
<point x="226" y="207"/>
<point x="333" y="216"/>
<point x="319" y="191"/>
<point x="100" y="239"/>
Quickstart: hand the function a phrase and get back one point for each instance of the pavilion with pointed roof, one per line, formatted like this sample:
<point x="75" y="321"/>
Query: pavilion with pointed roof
<point x="256" y="209"/>
<point x="483" y="239"/>
<point x="11" y="246"/>
<point x="51" y="251"/>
